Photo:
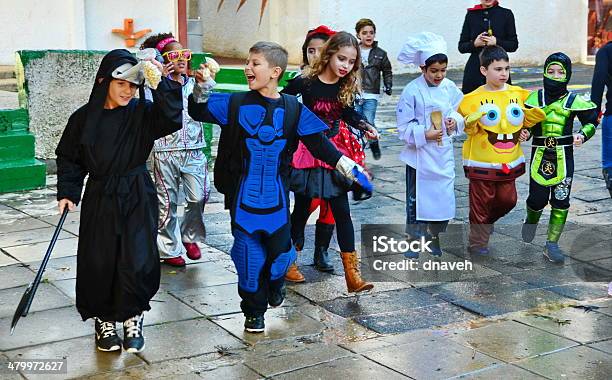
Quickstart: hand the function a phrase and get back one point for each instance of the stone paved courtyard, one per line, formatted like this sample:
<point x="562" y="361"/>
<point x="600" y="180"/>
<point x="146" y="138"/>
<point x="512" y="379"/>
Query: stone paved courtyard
<point x="519" y="317"/>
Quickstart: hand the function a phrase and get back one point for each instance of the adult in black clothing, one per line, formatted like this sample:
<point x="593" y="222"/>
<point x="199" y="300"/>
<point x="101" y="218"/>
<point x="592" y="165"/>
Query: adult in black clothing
<point x="602" y="77"/>
<point x="109" y="139"/>
<point x="485" y="24"/>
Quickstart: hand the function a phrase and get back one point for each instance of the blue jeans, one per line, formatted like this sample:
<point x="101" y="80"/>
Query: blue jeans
<point x="606" y="151"/>
<point x="606" y="142"/>
<point x="367" y="107"/>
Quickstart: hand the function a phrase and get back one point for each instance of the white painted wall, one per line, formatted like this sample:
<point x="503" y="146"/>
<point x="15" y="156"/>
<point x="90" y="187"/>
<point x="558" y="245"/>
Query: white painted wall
<point x="542" y="26"/>
<point x="40" y="24"/>
<point x="231" y="34"/>
<point x="77" y="24"/>
<point x="102" y="16"/>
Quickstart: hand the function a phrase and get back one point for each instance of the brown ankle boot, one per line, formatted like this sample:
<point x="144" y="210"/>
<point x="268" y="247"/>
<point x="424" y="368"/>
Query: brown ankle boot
<point x="293" y="274"/>
<point x="354" y="282"/>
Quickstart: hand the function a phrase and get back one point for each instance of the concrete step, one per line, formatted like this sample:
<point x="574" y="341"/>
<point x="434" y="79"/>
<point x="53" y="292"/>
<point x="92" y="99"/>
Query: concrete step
<point x="14" y="121"/>
<point x="22" y="175"/>
<point x="7" y="72"/>
<point x="9" y="84"/>
<point x="16" y="146"/>
<point x="19" y="170"/>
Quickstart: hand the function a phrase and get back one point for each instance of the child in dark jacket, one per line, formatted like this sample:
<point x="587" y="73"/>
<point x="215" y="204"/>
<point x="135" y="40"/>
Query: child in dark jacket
<point x="374" y="61"/>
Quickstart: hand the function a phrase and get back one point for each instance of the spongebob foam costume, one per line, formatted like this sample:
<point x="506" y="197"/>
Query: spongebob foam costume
<point x="492" y="155"/>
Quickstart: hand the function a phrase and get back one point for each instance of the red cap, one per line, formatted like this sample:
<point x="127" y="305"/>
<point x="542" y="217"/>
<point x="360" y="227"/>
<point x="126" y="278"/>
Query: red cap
<point x="321" y="29"/>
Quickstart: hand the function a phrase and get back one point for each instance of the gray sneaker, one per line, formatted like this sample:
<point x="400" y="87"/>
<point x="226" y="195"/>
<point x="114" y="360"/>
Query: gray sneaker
<point x="553" y="253"/>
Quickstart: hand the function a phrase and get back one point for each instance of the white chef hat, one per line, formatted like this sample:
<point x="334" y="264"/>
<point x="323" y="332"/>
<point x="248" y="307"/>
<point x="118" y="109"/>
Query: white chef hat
<point x="421" y="46"/>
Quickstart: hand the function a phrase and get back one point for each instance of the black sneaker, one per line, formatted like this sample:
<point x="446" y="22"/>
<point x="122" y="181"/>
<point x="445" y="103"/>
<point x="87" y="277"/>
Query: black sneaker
<point x="254" y="324"/>
<point x="607" y="175"/>
<point x="133" y="339"/>
<point x="435" y="246"/>
<point x="277" y="296"/>
<point x="106" y="336"/>
<point x="375" y="147"/>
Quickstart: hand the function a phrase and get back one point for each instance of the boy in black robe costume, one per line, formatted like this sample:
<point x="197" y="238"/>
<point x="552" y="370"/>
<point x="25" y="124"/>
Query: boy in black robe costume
<point x="118" y="269"/>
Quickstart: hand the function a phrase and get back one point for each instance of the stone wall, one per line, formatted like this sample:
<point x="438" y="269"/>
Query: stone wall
<point x="53" y="84"/>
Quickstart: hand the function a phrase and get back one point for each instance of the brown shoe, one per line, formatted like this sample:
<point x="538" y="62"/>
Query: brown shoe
<point x="354" y="282"/>
<point x="293" y="274"/>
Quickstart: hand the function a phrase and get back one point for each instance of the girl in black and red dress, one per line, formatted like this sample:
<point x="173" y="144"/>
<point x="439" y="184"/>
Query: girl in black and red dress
<point x="328" y="88"/>
<point x="324" y="230"/>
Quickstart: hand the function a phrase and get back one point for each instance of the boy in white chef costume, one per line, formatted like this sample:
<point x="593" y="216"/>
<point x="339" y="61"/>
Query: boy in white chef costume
<point x="428" y="150"/>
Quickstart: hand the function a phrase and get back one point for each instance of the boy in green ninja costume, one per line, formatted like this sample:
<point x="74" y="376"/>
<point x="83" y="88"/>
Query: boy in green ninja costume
<point x="552" y="154"/>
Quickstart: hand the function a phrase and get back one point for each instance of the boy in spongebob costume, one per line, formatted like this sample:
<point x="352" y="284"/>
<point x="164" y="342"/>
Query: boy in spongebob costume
<point x="492" y="155"/>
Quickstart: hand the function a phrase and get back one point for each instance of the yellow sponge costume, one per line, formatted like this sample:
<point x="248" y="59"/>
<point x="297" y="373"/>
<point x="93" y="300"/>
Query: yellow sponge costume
<point x="492" y="155"/>
<point x="494" y="120"/>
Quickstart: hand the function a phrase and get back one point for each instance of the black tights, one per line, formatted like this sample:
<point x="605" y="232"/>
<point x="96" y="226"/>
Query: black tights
<point x="342" y="214"/>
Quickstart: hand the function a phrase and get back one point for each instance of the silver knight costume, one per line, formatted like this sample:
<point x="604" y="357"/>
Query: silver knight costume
<point x="178" y="158"/>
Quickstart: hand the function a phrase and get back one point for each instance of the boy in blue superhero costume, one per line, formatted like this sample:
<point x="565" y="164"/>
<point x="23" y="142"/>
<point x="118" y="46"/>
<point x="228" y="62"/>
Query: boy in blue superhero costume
<point x="263" y="129"/>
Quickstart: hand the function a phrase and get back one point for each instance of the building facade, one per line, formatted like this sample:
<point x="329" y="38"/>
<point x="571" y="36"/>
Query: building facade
<point x="78" y="24"/>
<point x="542" y="26"/>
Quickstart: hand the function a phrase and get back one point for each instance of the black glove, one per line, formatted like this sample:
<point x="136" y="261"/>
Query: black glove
<point x="388" y="90"/>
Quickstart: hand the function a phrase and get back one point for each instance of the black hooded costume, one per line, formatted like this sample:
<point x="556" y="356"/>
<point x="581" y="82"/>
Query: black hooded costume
<point x="118" y="268"/>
